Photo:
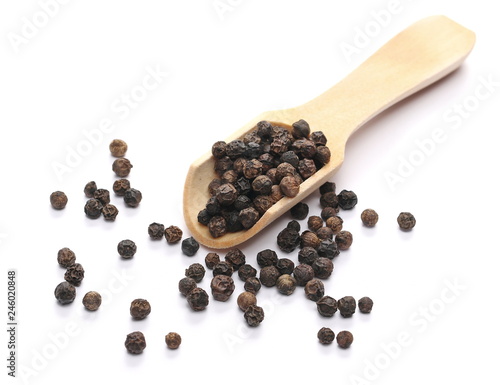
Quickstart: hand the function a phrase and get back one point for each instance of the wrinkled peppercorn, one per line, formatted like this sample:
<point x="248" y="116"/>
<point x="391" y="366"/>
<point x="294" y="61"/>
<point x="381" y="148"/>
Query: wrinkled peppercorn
<point x="248" y="217"/>
<point x="267" y="257"/>
<point x="306" y="168"/>
<point x="246" y="271"/>
<point x="252" y="285"/>
<point x="90" y="189"/>
<point x="236" y="258"/>
<point x="58" y="200"/>
<point x="127" y="248"/>
<point x="262" y="203"/>
<point x="75" y="274"/>
<point x="173" y="340"/>
<point x="102" y="195"/>
<point x="92" y="300"/>
<point x="186" y="284"/>
<point x="325" y="233"/>
<point x="299" y="211"/>
<point x="222" y="287"/>
<point x="365" y="305"/>
<point x="252" y="168"/>
<point x="122" y="167"/>
<point x="347" y="199"/>
<point x="301" y="129"/>
<point x="223" y="268"/>
<point x="328" y="212"/>
<point x="344" y="339"/>
<point x="246" y="299"/>
<point x="262" y="185"/>
<point x="293" y="225"/>
<point x="308" y="255"/>
<point x="369" y="217"/>
<point x="327" y="306"/>
<point x="226" y="194"/>
<point x="65" y="293"/>
<point x="326" y="336"/>
<point x="323" y="267"/>
<point x="195" y="271"/>
<point x="285" y="266"/>
<point x="213" y="186"/>
<point x="197" y="299"/>
<point x="230" y="176"/>
<point x="291" y="158"/>
<point x="190" y="246"/>
<point x="109" y="212"/>
<point x="93" y="208"/>
<point x="132" y="197"/>
<point x="211" y="260"/>
<point x="329" y="199"/>
<point x="156" y="230"/>
<point x="314" y="223"/>
<point x="314" y="289"/>
<point x="118" y="148"/>
<point x="327" y="187"/>
<point x="288" y="240"/>
<point x="173" y="234"/>
<point x="222" y="165"/>
<point x="135" y="343"/>
<point x="269" y="275"/>
<point x="120" y="186"/>
<point x="335" y="223"/>
<point x="346" y="306"/>
<point x="66" y="257"/>
<point x="328" y="249"/>
<point x="289" y="186"/>
<point x="319" y="138"/>
<point x="140" y="309"/>
<point x="219" y="149"/>
<point x="303" y="273"/>
<point x="286" y="284"/>
<point x="406" y="221"/>
<point x="254" y="315"/>
<point x="323" y="155"/>
<point x="343" y="240"/>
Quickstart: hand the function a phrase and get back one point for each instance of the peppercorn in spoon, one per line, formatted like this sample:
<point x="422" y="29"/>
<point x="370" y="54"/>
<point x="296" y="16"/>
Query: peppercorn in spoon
<point x="418" y="56"/>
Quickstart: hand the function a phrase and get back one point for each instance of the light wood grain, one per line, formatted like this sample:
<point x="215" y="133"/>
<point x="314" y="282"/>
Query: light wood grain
<point x="415" y="58"/>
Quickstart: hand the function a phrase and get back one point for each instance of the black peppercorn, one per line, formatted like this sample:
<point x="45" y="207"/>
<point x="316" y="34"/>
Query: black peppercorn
<point x="74" y="274"/>
<point x="308" y="255"/>
<point x="322" y="156"/>
<point x="288" y="240"/>
<point x="314" y="223"/>
<point x="248" y="217"/>
<point x="173" y="234"/>
<point x="120" y="186"/>
<point x="219" y="149"/>
<point x="318" y="138"/>
<point x="197" y="299"/>
<point x="109" y="212"/>
<point x="132" y="197"/>
<point x="269" y="275"/>
<point x="262" y="185"/>
<point x="236" y="258"/>
<point x="301" y="129"/>
<point x="303" y="273"/>
<point x="327" y="306"/>
<point x="195" y="271"/>
<point x="369" y="217"/>
<point x="235" y="148"/>
<point x="186" y="285"/>
<point x="93" y="208"/>
<point x="173" y="340"/>
<point x="217" y="226"/>
<point x="309" y="239"/>
<point x="286" y="284"/>
<point x="326" y="336"/>
<point x="329" y="199"/>
<point x="293" y="225"/>
<point x="365" y="305"/>
<point x="252" y="285"/>
<point x="264" y="129"/>
<point x="252" y="168"/>
<point x="140" y="309"/>
<point x="213" y="186"/>
<point x="190" y="246"/>
<point x="262" y="203"/>
<point x="222" y="165"/>
<point x="89" y="189"/>
<point x="127" y="248"/>
<point x="289" y="186"/>
<point x="335" y="223"/>
<point x="230" y="176"/>
<point x="118" y="148"/>
<point x="135" y="343"/>
<point x="211" y="260"/>
<point x="328" y="212"/>
<point x="222" y="287"/>
<point x="343" y="240"/>
<point x="314" y="289"/>
<point x="102" y="195"/>
<point x="58" y="200"/>
<point x="92" y="300"/>
<point x="223" y="268"/>
<point x="246" y="271"/>
<point x="406" y="221"/>
<point x="245" y="300"/>
<point x="267" y="257"/>
<point x="306" y="168"/>
<point x="323" y="267"/>
<point x="346" y="306"/>
<point x="254" y="315"/>
<point x="65" y="293"/>
<point x="344" y="339"/>
<point x="122" y="167"/>
<point x="325" y="233"/>
<point x="66" y="257"/>
<point x="242" y="202"/>
<point x="204" y="217"/>
<point x="156" y="231"/>
<point x="328" y="249"/>
<point x="347" y="199"/>
<point x="285" y="266"/>
<point x="327" y="187"/>
<point x="299" y="211"/>
<point x="226" y="194"/>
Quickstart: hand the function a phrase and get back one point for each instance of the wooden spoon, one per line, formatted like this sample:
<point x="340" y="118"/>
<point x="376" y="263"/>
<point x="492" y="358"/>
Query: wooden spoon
<point x="418" y="56"/>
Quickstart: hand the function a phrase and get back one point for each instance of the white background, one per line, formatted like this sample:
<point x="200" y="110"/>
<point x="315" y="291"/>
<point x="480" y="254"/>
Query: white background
<point x="224" y="68"/>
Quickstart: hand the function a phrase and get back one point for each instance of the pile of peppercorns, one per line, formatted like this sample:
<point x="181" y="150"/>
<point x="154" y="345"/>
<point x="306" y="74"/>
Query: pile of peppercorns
<point x="256" y="171"/>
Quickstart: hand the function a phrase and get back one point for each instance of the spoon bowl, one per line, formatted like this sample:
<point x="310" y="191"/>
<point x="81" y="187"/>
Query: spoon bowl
<point x="418" y="56"/>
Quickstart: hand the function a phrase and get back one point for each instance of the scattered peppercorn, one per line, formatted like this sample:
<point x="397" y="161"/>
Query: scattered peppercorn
<point x="406" y="221"/>
<point x="329" y="199"/>
<point x="314" y="223"/>
<point x="109" y="212"/>
<point x="92" y="300"/>
<point x="222" y="287"/>
<point x="246" y="299"/>
<point x="267" y="257"/>
<point x="327" y="306"/>
<point x="252" y="285"/>
<point x="122" y="167"/>
<point x="195" y="271"/>
<point x="93" y="208"/>
<point x="186" y="284"/>
<point x="308" y="255"/>
<point x="65" y="293"/>
<point x="346" y="306"/>
<point x="343" y="240"/>
<point x="328" y="212"/>
<point x="223" y="268"/>
<point x="347" y="199"/>
<point x="246" y="271"/>
<point x="236" y="258"/>
<point x="286" y="284"/>
<point x="102" y="195"/>
<point x="288" y="240"/>
<point x="254" y="315"/>
<point x="132" y="197"/>
<point x="135" y="343"/>
<point x="335" y="223"/>
<point x="66" y="257"/>
<point x="285" y="266"/>
<point x="90" y="189"/>
<point x="58" y="200"/>
<point x="323" y="267"/>
<point x="293" y="225"/>
<point x="309" y="239"/>
<point x="269" y="275"/>
<point x="314" y="289"/>
<point x="365" y="305"/>
<point x="140" y="309"/>
<point x="173" y="234"/>
<point x="118" y="148"/>
<point x="369" y="217"/>
<point x="328" y="249"/>
<point x="326" y="336"/>
<point x="156" y="231"/>
<point x="211" y="260"/>
<point x="190" y="246"/>
<point x="74" y="274"/>
<point x="303" y="273"/>
<point x="173" y="340"/>
<point x="344" y="339"/>
<point x="327" y="187"/>
<point x="197" y="299"/>
<point x="127" y="248"/>
<point x="120" y="186"/>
